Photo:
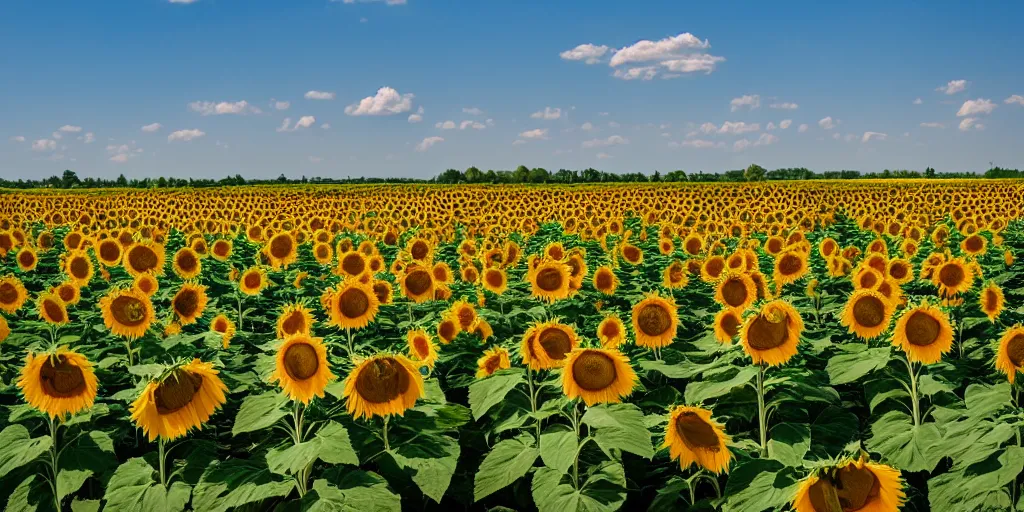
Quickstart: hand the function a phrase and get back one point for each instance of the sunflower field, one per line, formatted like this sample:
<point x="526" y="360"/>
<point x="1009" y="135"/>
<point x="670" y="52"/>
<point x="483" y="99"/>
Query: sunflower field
<point x="809" y="346"/>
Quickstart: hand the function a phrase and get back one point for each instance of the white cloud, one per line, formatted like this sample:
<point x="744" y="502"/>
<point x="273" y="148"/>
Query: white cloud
<point x="473" y="111"/>
<point x="869" y="136"/>
<point x="547" y="113"/>
<point x="70" y="129"/>
<point x="751" y="101"/>
<point x="319" y="95"/>
<point x="708" y="128"/>
<point x="1016" y="98"/>
<point x="326" y="126"/>
<point x="766" y="139"/>
<point x="589" y="53"/>
<point x="770" y="126"/>
<point x="89" y="138"/>
<point x="587" y="126"/>
<point x="827" y="123"/>
<point x="208" y="108"/>
<point x="149" y="128"/>
<point x="784" y="105"/>
<point x="613" y="140"/>
<point x="641" y="73"/>
<point x="445" y="125"/>
<point x="282" y="105"/>
<point x="918" y="101"/>
<point x="537" y="133"/>
<point x="186" y="2"/>
<point x="386" y="102"/>
<point x="802" y="128"/>
<point x="971" y="123"/>
<point x="784" y="124"/>
<point x="186" y="135"/>
<point x="471" y="124"/>
<point x="975" y="107"/>
<point x="663" y="49"/>
<point x="737" y="128"/>
<point x="691" y="64"/>
<point x="703" y="144"/>
<point x="602" y="156"/>
<point x="740" y="145"/>
<point x="57" y="135"/>
<point x="18" y="138"/>
<point x="284" y="124"/>
<point x="953" y="87"/>
<point x="123" y="152"/>
<point x="428" y="142"/>
<point x="44" y="145"/>
<point x="415" y="118"/>
<point x="932" y="125"/>
<point x="518" y="142"/>
<point x="304" y="122"/>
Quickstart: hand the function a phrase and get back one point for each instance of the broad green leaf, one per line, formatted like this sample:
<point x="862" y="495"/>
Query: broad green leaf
<point x="604" y="490"/>
<point x="259" y="412"/>
<point x="331" y="444"/>
<point x="33" y="494"/>
<point x="788" y="443"/>
<point x="69" y="481"/>
<point x="146" y="370"/>
<point x="908" y="447"/>
<point x="17" y="448"/>
<point x="983" y="400"/>
<point x="981" y="486"/>
<point x="507" y="462"/>
<point x="832" y="430"/>
<point x="229" y="484"/>
<point x="620" y="427"/>
<point x="848" y="367"/>
<point x="699" y="391"/>
<point x="293" y="458"/>
<point x="134" y="487"/>
<point x="928" y="385"/>
<point x="85" y="505"/>
<point x="558" y="445"/>
<point x="371" y="495"/>
<point x="490" y="391"/>
<point x="759" y="484"/>
<point x="430" y="463"/>
<point x="667" y="498"/>
<point x="93" y="451"/>
<point x="336" y="448"/>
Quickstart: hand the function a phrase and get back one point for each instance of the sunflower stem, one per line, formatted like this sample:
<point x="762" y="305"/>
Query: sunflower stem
<point x="913" y="392"/>
<point x="762" y="417"/>
<point x="53" y="460"/>
<point x="576" y="459"/>
<point x="533" y="400"/>
<point x="162" y="455"/>
<point x="241" y="314"/>
<point x="351" y="344"/>
<point x="384" y="434"/>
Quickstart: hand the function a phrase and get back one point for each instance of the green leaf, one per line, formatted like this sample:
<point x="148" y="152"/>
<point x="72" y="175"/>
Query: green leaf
<point x="17" y="448"/>
<point x="699" y="391"/>
<point x="146" y="370"/>
<point x="789" y="442"/>
<point x="558" y="445"/>
<point x="759" y="484"/>
<point x="33" y="494"/>
<point x="93" y="451"/>
<point x="984" y="401"/>
<point x="229" y="484"/>
<point x="293" y="458"/>
<point x="368" y="492"/>
<point x="603" y="491"/>
<point x="69" y="481"/>
<point x="490" y="391"/>
<point x="928" y="385"/>
<point x="133" y="487"/>
<point x="620" y="427"/>
<point x="259" y="412"/>
<point x="981" y="486"/>
<point x="832" y="430"/>
<point x="85" y="505"/>
<point x="336" y="448"/>
<point x="848" y="367"/>
<point x="908" y="447"/>
<point x="507" y="462"/>
<point x="430" y="463"/>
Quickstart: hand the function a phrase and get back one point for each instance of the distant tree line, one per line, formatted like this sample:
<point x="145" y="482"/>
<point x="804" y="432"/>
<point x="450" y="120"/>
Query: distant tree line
<point x="521" y="174"/>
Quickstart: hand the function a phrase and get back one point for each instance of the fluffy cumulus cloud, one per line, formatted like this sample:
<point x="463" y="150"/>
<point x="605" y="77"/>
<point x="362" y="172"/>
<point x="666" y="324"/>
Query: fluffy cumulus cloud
<point x="445" y="125"/>
<point x="44" y="145"/>
<point x="672" y="57"/>
<point x="918" y="101"/>
<point x="547" y="113"/>
<point x="827" y="123"/>
<point x="589" y="53"/>
<point x="802" y="128"/>
<point x="932" y="125"/>
<point x="702" y="144"/>
<point x="70" y="129"/>
<point x="210" y="108"/>
<point x="152" y="127"/>
<point x="870" y="136"/>
<point x="386" y="102"/>
<point x="535" y="134"/>
<point x="282" y="105"/>
<point x="186" y="135"/>
<point x="740" y="145"/>
<point x="613" y="140"/>
<point x="785" y="123"/>
<point x="303" y="122"/>
<point x="660" y="50"/>
<point x="976" y="107"/>
<point x="733" y="128"/>
<point x="472" y="124"/>
<point x="473" y="111"/>
<point x="417" y="117"/>
<point x="121" y="153"/>
<point x="747" y="101"/>
<point x="971" y="123"/>
<point x="319" y="95"/>
<point x="784" y="105"/>
<point x="641" y="73"/>
<point x="426" y="143"/>
<point x="1016" y="98"/>
<point x="953" y="87"/>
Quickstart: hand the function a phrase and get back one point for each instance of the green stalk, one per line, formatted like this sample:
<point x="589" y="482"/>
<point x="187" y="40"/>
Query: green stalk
<point x="53" y="460"/>
<point x="387" y="444"/>
<point x="762" y="417"/>
<point x="913" y="392"/>
<point x="533" y="400"/>
<point x="162" y="455"/>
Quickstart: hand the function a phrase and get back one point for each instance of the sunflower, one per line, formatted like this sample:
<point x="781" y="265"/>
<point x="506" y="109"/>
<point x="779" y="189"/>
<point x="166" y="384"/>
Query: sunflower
<point x="953" y="277"/>
<point x="443" y="273"/>
<point x="221" y="249"/>
<point x="223" y="325"/>
<point x="828" y="247"/>
<point x="27" y="259"/>
<point x="294" y="319"/>
<point x="694" y="438"/>
<point x="712" y="268"/>
<point x="867" y="313"/>
<point x="611" y="331"/>
<point x="464" y="313"/>
<point x="382" y="289"/>
<point x="632" y="254"/>
<point x="598" y="376"/>
<point x="52" y="309"/>
<point x="736" y="291"/>
<point x="693" y="244"/>
<point x="605" y="280"/>
<point x="420" y="249"/>
<point x="866" y="278"/>
<point x="421" y="347"/>
<point x="58" y="383"/>
<point x="1010" y="355"/>
<point x="127" y="312"/>
<point x="189" y="303"/>
<point x="549" y="281"/>
<point x="675" y="276"/>
<point x="974" y="245"/>
<point x="417" y="284"/>
<point x="186" y="263"/>
<point x="383" y="385"/>
<point x="77" y="265"/>
<point x="182" y="399"/>
<point x="352" y="304"/>
<point x="992" y="301"/>
<point x="494" y="359"/>
<point x="546" y="345"/>
<point x="12" y="294"/>
<point x="108" y="251"/>
<point x="5" y="330"/>
<point x="147" y="284"/>
<point x="145" y="256"/>
<point x="851" y="485"/>
<point x="301" y="368"/>
<point x="352" y="263"/>
<point x="790" y="266"/>
<point x="900" y="270"/>
<point x="727" y="325"/>
<point x="770" y="336"/>
<point x="281" y="250"/>
<point x="924" y="333"/>
<point x="252" y="281"/>
<point x="1008" y="258"/>
<point x="482" y="329"/>
<point x="448" y="328"/>
<point x="495" y="280"/>
<point x="655" y="321"/>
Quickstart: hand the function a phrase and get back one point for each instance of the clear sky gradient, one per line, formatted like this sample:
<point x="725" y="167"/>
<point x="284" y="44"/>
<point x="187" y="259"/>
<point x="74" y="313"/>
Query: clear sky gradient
<point x="210" y="88"/>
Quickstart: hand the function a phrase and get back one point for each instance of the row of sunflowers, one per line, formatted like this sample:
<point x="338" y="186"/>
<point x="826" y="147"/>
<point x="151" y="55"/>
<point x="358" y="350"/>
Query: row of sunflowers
<point x="790" y="346"/>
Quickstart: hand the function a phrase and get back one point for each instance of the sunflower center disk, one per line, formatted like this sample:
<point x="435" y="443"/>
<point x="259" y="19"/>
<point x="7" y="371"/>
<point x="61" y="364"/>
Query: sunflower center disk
<point x="26" y="259"/>
<point x="593" y="371"/>
<point x="869" y="311"/>
<point x="991" y="300"/>
<point x="53" y="311"/>
<point x="555" y="342"/>
<point x="696" y="432"/>
<point x="281" y="247"/>
<point x="715" y="268"/>
<point x="63" y="380"/>
<point x="922" y="329"/>
<point x="494" y="278"/>
<point x="654" y="320"/>
<point x="951" y="275"/>
<point x="301" y="361"/>
<point x="734" y="292"/>
<point x="466" y="317"/>
<point x="252" y="280"/>
<point x="789" y="265"/>
<point x="186" y="303"/>
<point x="1015" y="350"/>
<point x="187" y="261"/>
<point x="141" y="258"/>
<point x="353" y="303"/>
<point x="177" y="391"/>
<point x="421" y="346"/>
<point x="419" y="250"/>
<point x="492" y="363"/>
<point x="610" y="330"/>
<point x="128" y="311"/>
<point x="604" y="281"/>
<point x="766" y="335"/>
<point x="79" y="268"/>
<point x="382" y="380"/>
<point x="293" y="323"/>
<point x="8" y="294"/>
<point x="731" y="325"/>
<point x="353" y="264"/>
<point x="418" y="282"/>
<point x="855" y="487"/>
<point x="549" y="279"/>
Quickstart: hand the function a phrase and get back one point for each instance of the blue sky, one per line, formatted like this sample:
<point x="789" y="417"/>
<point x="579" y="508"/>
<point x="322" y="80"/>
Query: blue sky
<point x="203" y="88"/>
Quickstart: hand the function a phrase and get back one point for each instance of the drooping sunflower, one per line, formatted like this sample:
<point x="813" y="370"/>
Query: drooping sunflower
<point x="736" y="291"/>
<point x="252" y="281"/>
<point x="605" y="280"/>
<point x="953" y="277"/>
<point x="549" y="281"/>
<point x="145" y="256"/>
<point x="924" y="333"/>
<point x="546" y="345"/>
<point x="494" y="359"/>
<point x="77" y="266"/>
<point x="382" y="385"/>
<point x="851" y="485"/>
<point x="867" y="313"/>
<point x="464" y="313"/>
<point x="27" y="259"/>
<point x="181" y="399"/>
<point x="58" y="383"/>
<point x="147" y="284"/>
<point x="448" y="328"/>
<point x="1010" y="354"/>
<point x="770" y="335"/>
<point x="693" y="437"/>
<point x="12" y="294"/>
<point x="223" y="325"/>
<point x="127" y="312"/>
<point x="790" y="266"/>
<point x="281" y="250"/>
<point x="417" y="284"/>
<point x="382" y="289"/>
<point x="186" y="263"/>
<point x="727" y="325"/>
<point x="189" y="303"/>
<point x="52" y="309"/>
<point x="611" y="331"/>
<point x="352" y="305"/>
<point x="992" y="300"/>
<point x="294" y="319"/>
<point x="421" y="347"/>
<point x="655" y="321"/>
<point x="221" y="249"/>
<point x="301" y="368"/>
<point x="598" y="376"/>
